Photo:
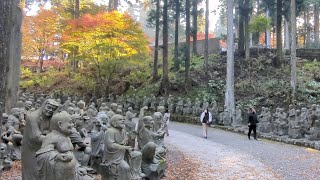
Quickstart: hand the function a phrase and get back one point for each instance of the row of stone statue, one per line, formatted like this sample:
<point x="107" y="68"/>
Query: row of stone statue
<point x="72" y="141"/>
<point x="296" y="123"/>
<point x="175" y="105"/>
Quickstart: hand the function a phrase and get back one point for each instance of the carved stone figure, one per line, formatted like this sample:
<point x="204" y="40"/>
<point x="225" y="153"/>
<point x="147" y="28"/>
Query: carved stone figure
<point x="151" y="166"/>
<point x="282" y="124"/>
<point x="187" y="107"/>
<point x="153" y="100"/>
<point x="237" y="122"/>
<point x="225" y="117"/>
<point x="265" y="125"/>
<point x="295" y="129"/>
<point x="115" y="151"/>
<point x="5" y="161"/>
<point x="170" y="102"/>
<point x="130" y="127"/>
<point x="97" y="144"/>
<point x="179" y="107"/>
<point x="37" y="127"/>
<point x="55" y="159"/>
<point x="314" y="132"/>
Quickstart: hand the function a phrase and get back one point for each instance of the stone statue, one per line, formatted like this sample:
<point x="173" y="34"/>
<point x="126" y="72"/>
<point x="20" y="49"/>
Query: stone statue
<point x="314" y="132"/>
<point x="265" y="124"/>
<point x="162" y="102"/>
<point x="37" y="127"/>
<point x="147" y="134"/>
<point x="225" y="117"/>
<point x="187" y="107"/>
<point x="97" y="144"/>
<point x="179" y="107"/>
<point x="170" y="102"/>
<point x="113" y="109"/>
<point x="237" y="122"/>
<point x="151" y="166"/>
<point x="295" y="130"/>
<point x="55" y="159"/>
<point x="115" y="150"/>
<point x="282" y="126"/>
<point x="5" y="161"/>
<point x="130" y="127"/>
<point x="153" y="100"/>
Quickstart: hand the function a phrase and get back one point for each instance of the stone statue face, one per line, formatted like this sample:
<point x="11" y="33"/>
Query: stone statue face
<point x="117" y="121"/>
<point x="3" y="148"/>
<point x="66" y="126"/>
<point x="49" y="109"/>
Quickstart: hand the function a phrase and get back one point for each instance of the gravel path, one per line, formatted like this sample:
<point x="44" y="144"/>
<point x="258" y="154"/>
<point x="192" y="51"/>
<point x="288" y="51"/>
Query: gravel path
<point x="227" y="155"/>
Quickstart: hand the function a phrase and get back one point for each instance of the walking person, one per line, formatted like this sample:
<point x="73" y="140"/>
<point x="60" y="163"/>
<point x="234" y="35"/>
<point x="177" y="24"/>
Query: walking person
<point x="205" y="119"/>
<point x="252" y="123"/>
<point x="166" y="119"/>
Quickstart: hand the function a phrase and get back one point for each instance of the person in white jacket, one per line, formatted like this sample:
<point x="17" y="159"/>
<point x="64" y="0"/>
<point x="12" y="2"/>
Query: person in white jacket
<point x="166" y="119"/>
<point x="205" y="119"/>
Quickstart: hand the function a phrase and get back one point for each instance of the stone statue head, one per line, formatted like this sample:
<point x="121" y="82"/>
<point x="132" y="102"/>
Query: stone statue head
<point x="148" y="121"/>
<point x="20" y="104"/>
<point x="49" y="106"/>
<point x="118" y="111"/>
<point x="130" y="109"/>
<point x="16" y="112"/>
<point x="117" y="121"/>
<point x="290" y="106"/>
<point x="161" y="109"/>
<point x="103" y="104"/>
<point x="71" y="110"/>
<point x="114" y="106"/>
<point x="81" y="104"/>
<point x="3" y="150"/>
<point x="62" y="122"/>
<point x="103" y="117"/>
<point x="28" y="105"/>
<point x="76" y="118"/>
<point x="148" y="151"/>
<point x="106" y="108"/>
<point x="157" y="116"/>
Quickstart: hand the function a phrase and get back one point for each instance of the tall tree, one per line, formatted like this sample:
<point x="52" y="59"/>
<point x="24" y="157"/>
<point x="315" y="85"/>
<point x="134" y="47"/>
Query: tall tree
<point x="229" y="96"/>
<point x="39" y="35"/>
<point x="293" y="81"/>
<point x="279" y="33"/>
<point x="187" y="51"/>
<point x="206" y="45"/>
<point x="165" y="76"/>
<point x="316" y="24"/>
<point x="194" y="26"/>
<point x="10" y="53"/>
<point x="156" y="45"/>
<point x="246" y="10"/>
<point x="241" y="28"/>
<point x="176" y="36"/>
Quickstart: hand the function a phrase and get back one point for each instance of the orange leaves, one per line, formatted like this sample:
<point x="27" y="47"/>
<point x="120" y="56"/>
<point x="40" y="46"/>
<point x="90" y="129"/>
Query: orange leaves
<point x="105" y="36"/>
<point x="39" y="33"/>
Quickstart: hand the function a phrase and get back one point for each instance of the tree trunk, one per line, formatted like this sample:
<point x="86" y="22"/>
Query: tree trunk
<point x="308" y="29"/>
<point x="176" y="37"/>
<point x="279" y="35"/>
<point x="293" y="81"/>
<point x="206" y="45"/>
<point x="110" y="5"/>
<point x="156" y="46"/>
<point x="268" y="34"/>
<point x="194" y="26"/>
<point x="230" y="100"/>
<point x="10" y="53"/>
<point x="77" y="9"/>
<point x="165" y="76"/>
<point x="241" y="29"/>
<point x="246" y="29"/>
<point x="316" y="25"/>
<point x="116" y="4"/>
<point x="286" y="36"/>
<point x="187" y="51"/>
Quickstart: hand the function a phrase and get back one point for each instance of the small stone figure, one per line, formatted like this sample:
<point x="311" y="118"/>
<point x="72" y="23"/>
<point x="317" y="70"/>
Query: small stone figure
<point x="237" y="122"/>
<point x="170" y="102"/>
<point x="265" y="124"/>
<point x="5" y="161"/>
<point x="314" y="132"/>
<point x="55" y="159"/>
<point x="115" y="151"/>
<point x="151" y="166"/>
<point x="37" y="127"/>
<point x="130" y="127"/>
<point x="179" y="107"/>
<point x="225" y="117"/>
<point x="295" y="130"/>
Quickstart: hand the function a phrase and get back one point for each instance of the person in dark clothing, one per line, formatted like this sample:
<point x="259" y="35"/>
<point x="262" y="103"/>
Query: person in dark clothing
<point x="252" y="123"/>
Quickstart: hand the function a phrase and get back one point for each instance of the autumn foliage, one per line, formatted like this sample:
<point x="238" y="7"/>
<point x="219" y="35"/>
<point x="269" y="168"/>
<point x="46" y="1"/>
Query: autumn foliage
<point x="106" y="45"/>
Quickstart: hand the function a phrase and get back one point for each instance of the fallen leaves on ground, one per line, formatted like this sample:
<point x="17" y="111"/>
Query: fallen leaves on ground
<point x="14" y="173"/>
